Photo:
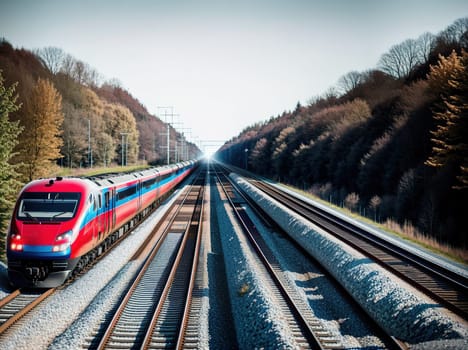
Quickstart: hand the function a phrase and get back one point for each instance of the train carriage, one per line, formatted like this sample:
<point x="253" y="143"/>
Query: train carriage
<point x="59" y="225"/>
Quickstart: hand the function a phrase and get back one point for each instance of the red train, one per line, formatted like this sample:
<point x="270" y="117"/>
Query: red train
<point x="59" y="225"/>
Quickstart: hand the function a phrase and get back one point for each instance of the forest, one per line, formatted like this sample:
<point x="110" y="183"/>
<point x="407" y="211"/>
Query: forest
<point x="390" y="143"/>
<point x="57" y="112"/>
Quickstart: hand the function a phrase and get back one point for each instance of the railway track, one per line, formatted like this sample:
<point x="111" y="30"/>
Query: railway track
<point x="327" y="342"/>
<point x="155" y="309"/>
<point x="438" y="282"/>
<point x="17" y="304"/>
<point x="306" y="328"/>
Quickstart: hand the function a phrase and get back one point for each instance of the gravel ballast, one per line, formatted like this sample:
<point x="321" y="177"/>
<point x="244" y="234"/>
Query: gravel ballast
<point x="259" y="322"/>
<point x="65" y="319"/>
<point x="326" y="302"/>
<point x="401" y="312"/>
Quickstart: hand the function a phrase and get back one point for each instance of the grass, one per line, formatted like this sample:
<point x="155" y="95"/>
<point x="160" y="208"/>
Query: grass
<point x="99" y="170"/>
<point x="407" y="231"/>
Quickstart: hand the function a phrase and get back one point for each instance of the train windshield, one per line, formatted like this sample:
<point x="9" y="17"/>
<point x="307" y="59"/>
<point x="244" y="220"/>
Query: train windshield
<point x="50" y="206"/>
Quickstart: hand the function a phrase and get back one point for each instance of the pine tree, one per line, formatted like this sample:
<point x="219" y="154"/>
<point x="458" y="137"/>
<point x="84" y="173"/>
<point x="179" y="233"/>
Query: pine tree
<point x="9" y="131"/>
<point x="41" y="140"/>
<point x="450" y="139"/>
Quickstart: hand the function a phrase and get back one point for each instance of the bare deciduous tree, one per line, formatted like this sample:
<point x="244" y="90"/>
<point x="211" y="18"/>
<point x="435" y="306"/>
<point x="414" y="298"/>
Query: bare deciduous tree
<point x="426" y="43"/>
<point x="401" y="59"/>
<point x="456" y="32"/>
<point x="51" y="57"/>
<point x="350" y="81"/>
<point x="68" y="65"/>
<point x="80" y="71"/>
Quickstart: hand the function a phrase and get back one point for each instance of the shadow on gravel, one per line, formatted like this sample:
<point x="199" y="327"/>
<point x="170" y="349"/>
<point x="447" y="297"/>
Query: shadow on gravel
<point x="4" y="282"/>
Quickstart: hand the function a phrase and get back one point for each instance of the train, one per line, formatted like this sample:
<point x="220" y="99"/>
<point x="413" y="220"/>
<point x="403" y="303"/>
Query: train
<point x="59" y="225"/>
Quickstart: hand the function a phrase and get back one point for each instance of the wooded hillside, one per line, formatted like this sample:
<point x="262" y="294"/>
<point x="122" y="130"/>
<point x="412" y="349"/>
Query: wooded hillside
<point x="105" y="108"/>
<point x="390" y="143"/>
<point x="55" y="111"/>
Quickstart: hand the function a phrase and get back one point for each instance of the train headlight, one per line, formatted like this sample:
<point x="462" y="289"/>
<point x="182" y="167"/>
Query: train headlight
<point x="16" y="242"/>
<point x="62" y="241"/>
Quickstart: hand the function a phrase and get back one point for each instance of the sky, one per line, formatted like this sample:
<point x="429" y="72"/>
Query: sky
<point x="223" y="65"/>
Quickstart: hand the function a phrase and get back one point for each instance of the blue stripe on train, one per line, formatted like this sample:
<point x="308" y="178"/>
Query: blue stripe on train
<point x="122" y="202"/>
<point x="40" y="251"/>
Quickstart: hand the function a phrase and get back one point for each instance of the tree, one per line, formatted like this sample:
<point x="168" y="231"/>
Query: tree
<point x="450" y="139"/>
<point x="401" y="59"/>
<point x="426" y="43"/>
<point x="74" y="136"/>
<point x="40" y="143"/>
<point x="120" y="124"/>
<point x="456" y="33"/>
<point x="9" y="131"/>
<point x="282" y="152"/>
<point x="259" y="157"/>
<point x="374" y="205"/>
<point x="350" y="81"/>
<point x="52" y="58"/>
<point x="351" y="201"/>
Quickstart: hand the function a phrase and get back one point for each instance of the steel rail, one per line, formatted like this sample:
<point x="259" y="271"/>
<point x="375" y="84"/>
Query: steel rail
<point x="439" y="283"/>
<point x="391" y="341"/>
<point x="188" y="251"/>
<point x="25" y="306"/>
<point x="307" y="329"/>
<point x="172" y="221"/>
<point x="188" y="304"/>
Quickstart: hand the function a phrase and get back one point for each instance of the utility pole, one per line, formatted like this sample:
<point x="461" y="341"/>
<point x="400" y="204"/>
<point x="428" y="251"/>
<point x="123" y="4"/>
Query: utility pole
<point x="177" y="150"/>
<point x="168" y="132"/>
<point x="124" y="147"/>
<point x="184" y="143"/>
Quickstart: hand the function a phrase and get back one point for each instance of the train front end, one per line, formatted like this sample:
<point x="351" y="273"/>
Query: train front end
<point x="42" y="229"/>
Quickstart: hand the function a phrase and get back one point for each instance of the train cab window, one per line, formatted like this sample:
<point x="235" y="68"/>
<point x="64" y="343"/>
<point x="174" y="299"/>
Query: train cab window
<point x="51" y="206"/>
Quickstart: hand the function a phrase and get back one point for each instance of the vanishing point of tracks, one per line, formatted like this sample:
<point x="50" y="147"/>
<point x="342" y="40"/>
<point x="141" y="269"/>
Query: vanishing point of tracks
<point x="439" y="283"/>
<point x="155" y="310"/>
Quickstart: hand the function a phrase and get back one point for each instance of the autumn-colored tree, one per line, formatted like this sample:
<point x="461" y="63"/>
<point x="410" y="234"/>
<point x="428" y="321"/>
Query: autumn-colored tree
<point x="449" y="79"/>
<point x="9" y="131"/>
<point x="260" y="157"/>
<point x="75" y="137"/>
<point x="282" y="152"/>
<point x="40" y="141"/>
<point x="371" y="146"/>
<point x="120" y="124"/>
<point x="97" y="150"/>
<point x="351" y="201"/>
